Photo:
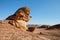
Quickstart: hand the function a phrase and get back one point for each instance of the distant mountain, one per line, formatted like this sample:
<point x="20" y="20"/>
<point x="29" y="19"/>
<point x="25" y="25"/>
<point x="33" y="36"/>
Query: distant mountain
<point x="57" y="26"/>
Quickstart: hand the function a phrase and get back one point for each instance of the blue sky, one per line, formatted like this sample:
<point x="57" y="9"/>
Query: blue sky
<point x="42" y="11"/>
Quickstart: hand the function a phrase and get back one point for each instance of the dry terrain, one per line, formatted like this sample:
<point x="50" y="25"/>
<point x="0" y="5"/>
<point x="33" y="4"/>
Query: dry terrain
<point x="9" y="32"/>
<point x="53" y="34"/>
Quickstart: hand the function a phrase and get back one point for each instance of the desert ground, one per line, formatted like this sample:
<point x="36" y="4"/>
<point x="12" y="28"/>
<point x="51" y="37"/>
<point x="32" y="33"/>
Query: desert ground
<point x="53" y="34"/>
<point x="9" y="32"/>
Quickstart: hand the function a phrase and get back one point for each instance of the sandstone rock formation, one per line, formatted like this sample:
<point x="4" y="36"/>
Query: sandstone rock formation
<point x="9" y="32"/>
<point x="20" y="17"/>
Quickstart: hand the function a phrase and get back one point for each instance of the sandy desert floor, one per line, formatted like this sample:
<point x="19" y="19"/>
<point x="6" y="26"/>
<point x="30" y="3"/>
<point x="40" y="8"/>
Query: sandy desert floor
<point x="53" y="34"/>
<point x="9" y="32"/>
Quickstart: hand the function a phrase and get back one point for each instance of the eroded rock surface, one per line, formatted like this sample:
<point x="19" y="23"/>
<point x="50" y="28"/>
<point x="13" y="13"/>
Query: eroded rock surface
<point x="10" y="32"/>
